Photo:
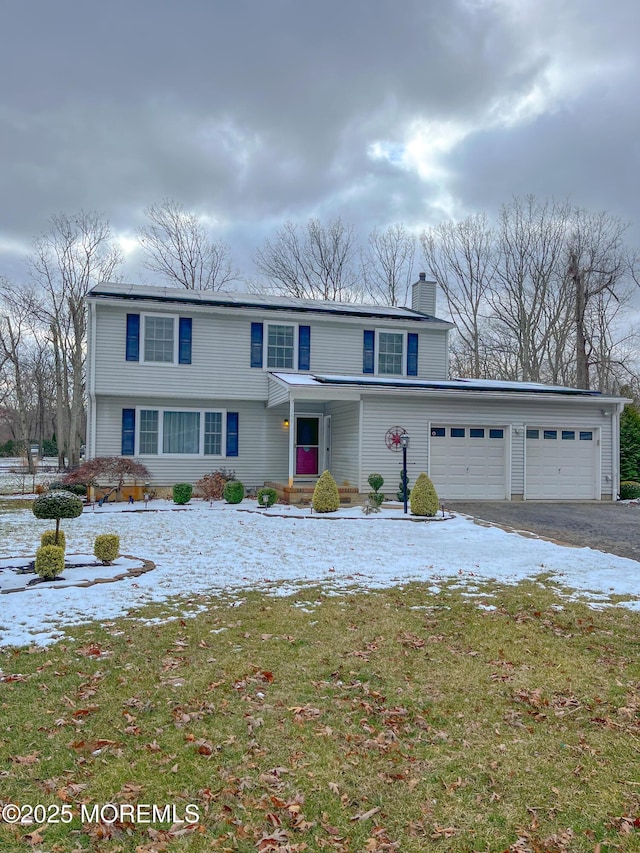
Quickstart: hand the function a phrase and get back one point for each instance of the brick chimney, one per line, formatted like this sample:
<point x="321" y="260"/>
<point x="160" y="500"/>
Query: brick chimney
<point x="423" y="295"/>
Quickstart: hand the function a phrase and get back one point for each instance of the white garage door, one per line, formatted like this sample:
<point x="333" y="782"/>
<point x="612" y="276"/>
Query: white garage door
<point x="468" y="462"/>
<point x="562" y="464"/>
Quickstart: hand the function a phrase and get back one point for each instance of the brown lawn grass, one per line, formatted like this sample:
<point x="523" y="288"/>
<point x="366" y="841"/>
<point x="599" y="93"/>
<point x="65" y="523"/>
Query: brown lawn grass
<point x="395" y="720"/>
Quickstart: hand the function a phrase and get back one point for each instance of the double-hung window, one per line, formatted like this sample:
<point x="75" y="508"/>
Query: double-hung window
<point x="387" y="352"/>
<point x="390" y="353"/>
<point x="159" y="339"/>
<point x="174" y="432"/>
<point x="281" y="346"/>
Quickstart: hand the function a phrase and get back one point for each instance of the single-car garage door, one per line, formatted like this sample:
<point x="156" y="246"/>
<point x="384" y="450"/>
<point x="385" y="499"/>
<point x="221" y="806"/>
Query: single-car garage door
<point x="562" y="463"/>
<point x="468" y="462"/>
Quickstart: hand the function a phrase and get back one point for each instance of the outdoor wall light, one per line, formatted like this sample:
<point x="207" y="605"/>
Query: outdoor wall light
<point x="285" y="422"/>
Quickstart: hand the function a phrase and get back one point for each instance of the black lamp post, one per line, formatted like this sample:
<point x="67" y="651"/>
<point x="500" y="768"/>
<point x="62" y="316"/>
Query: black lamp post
<point x="404" y="443"/>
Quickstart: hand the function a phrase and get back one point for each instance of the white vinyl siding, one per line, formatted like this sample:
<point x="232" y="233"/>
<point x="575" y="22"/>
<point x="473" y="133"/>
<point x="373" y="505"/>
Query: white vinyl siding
<point x="345" y="431"/>
<point x="263" y="444"/>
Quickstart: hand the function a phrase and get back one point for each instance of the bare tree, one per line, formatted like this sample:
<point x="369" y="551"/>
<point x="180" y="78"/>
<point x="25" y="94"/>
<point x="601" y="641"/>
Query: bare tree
<point x="314" y="262"/>
<point x="74" y="255"/>
<point x="177" y="247"/>
<point x="387" y="265"/>
<point x="14" y="340"/>
<point x="461" y="257"/>
<point x="597" y="261"/>
<point x="528" y="295"/>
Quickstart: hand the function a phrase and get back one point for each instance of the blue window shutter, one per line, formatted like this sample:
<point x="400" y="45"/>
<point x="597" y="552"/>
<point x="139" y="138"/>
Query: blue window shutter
<point x="128" y="432"/>
<point x="368" y="350"/>
<point x="304" y="347"/>
<point x="412" y="354"/>
<point x="184" y="340"/>
<point x="256" y="345"/>
<point x="133" y="337"/>
<point x="232" y="433"/>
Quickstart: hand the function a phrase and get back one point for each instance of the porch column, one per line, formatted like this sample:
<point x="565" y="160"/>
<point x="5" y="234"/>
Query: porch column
<point x="292" y="440"/>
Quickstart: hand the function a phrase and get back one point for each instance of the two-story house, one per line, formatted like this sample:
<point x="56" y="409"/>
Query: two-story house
<point x="279" y="389"/>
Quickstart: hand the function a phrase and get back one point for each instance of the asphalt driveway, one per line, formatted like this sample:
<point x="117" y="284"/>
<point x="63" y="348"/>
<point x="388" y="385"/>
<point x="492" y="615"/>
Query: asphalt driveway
<point x="611" y="527"/>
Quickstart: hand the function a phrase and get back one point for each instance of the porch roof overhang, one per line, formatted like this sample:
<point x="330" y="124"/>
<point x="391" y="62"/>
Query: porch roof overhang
<point x="284" y="387"/>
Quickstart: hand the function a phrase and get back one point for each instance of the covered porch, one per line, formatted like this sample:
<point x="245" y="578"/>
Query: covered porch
<point x="321" y="429"/>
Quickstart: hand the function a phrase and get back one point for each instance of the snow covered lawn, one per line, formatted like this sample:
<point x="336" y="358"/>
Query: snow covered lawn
<point x="203" y="549"/>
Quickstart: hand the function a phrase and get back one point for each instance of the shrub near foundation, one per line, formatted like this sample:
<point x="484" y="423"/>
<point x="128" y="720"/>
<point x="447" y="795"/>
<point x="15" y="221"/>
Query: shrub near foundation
<point x="424" y="498"/>
<point x="266" y="497"/>
<point x="326" y="497"/>
<point x="182" y="493"/>
<point x="106" y="547"/>
<point x="49" y="561"/>
<point x="49" y="538"/>
<point x="234" y="492"/>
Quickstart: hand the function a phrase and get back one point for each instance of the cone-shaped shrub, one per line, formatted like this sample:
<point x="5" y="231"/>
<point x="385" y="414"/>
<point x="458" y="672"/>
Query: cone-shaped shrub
<point x="49" y="561"/>
<point x="106" y="547"/>
<point x="424" y="499"/>
<point x="326" y="497"/>
<point x="49" y="538"/>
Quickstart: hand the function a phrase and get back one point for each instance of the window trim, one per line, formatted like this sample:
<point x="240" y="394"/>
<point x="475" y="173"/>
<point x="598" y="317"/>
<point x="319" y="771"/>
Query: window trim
<point x="376" y="352"/>
<point x="265" y="346"/>
<point x="200" y="454"/>
<point x="143" y="338"/>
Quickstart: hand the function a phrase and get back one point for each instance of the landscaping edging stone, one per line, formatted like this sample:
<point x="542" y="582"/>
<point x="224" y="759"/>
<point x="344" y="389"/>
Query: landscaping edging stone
<point x="135" y="572"/>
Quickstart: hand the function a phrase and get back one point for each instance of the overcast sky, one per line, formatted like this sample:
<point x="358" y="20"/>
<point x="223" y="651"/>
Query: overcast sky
<point x="252" y="112"/>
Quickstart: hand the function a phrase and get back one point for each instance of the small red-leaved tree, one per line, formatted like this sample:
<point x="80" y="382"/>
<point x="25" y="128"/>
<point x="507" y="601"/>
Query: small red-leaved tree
<point x="108" y="472"/>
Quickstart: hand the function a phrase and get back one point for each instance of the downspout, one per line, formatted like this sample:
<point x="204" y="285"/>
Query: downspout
<point x="92" y="420"/>
<point x="615" y="449"/>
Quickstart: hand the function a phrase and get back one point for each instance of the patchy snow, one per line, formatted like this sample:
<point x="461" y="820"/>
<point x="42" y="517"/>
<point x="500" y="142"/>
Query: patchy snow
<point x="204" y="549"/>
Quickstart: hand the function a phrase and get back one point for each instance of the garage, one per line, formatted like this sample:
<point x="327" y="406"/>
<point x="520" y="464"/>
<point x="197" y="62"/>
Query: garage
<point x="469" y="461"/>
<point x="562" y="463"/>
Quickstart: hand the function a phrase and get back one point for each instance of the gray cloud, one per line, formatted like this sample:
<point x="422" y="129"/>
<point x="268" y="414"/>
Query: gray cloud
<point x="255" y="112"/>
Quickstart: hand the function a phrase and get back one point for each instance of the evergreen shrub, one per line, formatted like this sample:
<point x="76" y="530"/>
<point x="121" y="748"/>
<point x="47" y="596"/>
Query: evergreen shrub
<point x="424" y="498"/>
<point x="49" y="561"/>
<point x="182" y="493"/>
<point x="233" y="492"/>
<point x="266" y="496"/>
<point x="629" y="490"/>
<point x="326" y="497"/>
<point x="49" y="538"/>
<point x="376" y="481"/>
<point x="106" y="547"/>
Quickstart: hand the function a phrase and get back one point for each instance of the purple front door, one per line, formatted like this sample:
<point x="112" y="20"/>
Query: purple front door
<point x="307" y="446"/>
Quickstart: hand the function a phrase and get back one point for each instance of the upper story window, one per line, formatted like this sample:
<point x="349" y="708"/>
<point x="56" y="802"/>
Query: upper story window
<point x="280" y="347"/>
<point x="165" y="339"/>
<point x="160" y="339"/>
<point x="390" y="353"/>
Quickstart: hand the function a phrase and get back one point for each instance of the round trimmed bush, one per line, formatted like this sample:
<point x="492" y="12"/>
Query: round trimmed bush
<point x="233" y="492"/>
<point x="49" y="538"/>
<point x="182" y="493"/>
<point x="629" y="490"/>
<point x="424" y="498"/>
<point x="326" y="497"/>
<point x="57" y="505"/>
<point x="106" y="547"/>
<point x="267" y="497"/>
<point x="49" y="561"/>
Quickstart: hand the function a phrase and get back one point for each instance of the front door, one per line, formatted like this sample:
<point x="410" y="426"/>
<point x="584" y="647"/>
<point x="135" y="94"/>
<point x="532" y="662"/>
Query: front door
<point x="307" y="445"/>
